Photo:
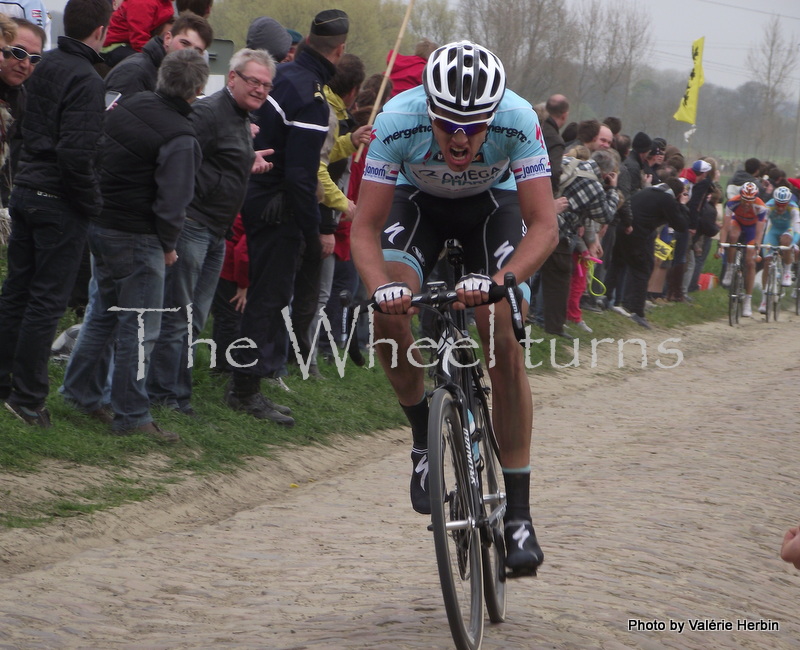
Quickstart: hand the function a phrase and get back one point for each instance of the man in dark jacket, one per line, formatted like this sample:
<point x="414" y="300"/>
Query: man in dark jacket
<point x="139" y="71"/>
<point x="636" y="162"/>
<point x="281" y="211"/>
<point x="557" y="108"/>
<point x="652" y="207"/>
<point x="222" y="123"/>
<point x="150" y="157"/>
<point x="56" y="192"/>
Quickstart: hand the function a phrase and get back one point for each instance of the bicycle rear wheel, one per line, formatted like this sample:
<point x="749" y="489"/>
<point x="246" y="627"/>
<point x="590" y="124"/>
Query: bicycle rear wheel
<point x="453" y="516"/>
<point x="734" y="302"/>
<point x="778" y="288"/>
<point x="797" y="288"/>
<point x="494" y="503"/>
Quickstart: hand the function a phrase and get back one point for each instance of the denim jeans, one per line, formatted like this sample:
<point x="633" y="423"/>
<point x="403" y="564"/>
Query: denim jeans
<point x="192" y="280"/>
<point x="44" y="252"/>
<point x="83" y="394"/>
<point x="129" y="269"/>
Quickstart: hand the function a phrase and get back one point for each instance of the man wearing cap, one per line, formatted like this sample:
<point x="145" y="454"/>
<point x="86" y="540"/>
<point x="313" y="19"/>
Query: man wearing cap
<point x="266" y="33"/>
<point x="635" y="162"/>
<point x="281" y="212"/>
<point x="296" y="37"/>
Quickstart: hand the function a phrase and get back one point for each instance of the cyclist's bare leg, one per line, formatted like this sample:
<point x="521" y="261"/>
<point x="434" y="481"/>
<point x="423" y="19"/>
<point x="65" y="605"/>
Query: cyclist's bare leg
<point x="733" y="236"/>
<point x="749" y="270"/>
<point x="786" y="240"/>
<point x="512" y="404"/>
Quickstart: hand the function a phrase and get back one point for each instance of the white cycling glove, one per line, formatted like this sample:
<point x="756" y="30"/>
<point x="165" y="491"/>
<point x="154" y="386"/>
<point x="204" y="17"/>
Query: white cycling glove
<point x="475" y="282"/>
<point x="391" y="291"/>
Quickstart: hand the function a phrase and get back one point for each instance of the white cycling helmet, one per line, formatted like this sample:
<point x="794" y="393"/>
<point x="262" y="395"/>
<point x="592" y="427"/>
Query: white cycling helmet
<point x="782" y="194"/>
<point x="464" y="78"/>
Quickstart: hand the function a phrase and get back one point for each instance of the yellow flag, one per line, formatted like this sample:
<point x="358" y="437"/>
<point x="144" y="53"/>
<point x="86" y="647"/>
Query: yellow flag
<point x="687" y="111"/>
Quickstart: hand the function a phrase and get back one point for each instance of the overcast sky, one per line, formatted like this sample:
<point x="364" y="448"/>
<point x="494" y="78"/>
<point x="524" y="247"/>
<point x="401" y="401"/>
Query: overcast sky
<point x="731" y="27"/>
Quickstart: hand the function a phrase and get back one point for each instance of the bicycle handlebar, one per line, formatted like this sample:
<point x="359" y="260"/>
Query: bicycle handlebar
<point x="438" y="296"/>
<point x="726" y="245"/>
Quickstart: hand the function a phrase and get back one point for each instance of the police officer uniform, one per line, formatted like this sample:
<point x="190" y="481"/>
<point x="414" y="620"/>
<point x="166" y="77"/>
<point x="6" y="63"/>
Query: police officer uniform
<point x="280" y="213"/>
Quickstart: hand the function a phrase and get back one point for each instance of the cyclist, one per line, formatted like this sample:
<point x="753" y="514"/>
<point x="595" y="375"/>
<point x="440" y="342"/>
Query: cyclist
<point x="459" y="156"/>
<point x="783" y="229"/>
<point x="744" y="220"/>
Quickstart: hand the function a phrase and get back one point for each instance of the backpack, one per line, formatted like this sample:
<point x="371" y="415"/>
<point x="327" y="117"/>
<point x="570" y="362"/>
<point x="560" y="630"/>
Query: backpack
<point x="570" y="170"/>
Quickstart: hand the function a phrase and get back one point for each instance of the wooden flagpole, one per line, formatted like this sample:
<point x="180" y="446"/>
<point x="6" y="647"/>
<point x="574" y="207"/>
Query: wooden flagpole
<point x="386" y="74"/>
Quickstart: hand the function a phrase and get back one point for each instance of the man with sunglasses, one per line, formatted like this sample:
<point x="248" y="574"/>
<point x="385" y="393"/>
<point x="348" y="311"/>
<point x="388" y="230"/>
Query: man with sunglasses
<point x="19" y="59"/>
<point x="460" y="157"/>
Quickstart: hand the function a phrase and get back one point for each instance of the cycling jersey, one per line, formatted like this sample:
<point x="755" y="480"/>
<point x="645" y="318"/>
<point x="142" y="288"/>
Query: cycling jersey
<point x="779" y="224"/>
<point x="404" y="151"/>
<point x="746" y="213"/>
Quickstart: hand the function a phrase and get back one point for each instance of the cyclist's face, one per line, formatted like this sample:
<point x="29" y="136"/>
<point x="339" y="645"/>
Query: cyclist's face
<point x="458" y="149"/>
<point x="780" y="208"/>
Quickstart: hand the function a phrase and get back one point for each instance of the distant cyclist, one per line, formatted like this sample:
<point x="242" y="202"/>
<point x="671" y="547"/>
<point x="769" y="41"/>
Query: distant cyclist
<point x="459" y="157"/>
<point x="743" y="222"/>
<point x="783" y="229"/>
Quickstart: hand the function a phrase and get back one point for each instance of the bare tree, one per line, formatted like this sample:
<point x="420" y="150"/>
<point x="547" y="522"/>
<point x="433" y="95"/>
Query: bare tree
<point x="434" y="20"/>
<point x="525" y="34"/>
<point x="770" y="62"/>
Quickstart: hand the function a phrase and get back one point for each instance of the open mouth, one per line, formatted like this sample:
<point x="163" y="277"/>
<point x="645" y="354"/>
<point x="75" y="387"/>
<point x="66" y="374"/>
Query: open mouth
<point x="459" y="155"/>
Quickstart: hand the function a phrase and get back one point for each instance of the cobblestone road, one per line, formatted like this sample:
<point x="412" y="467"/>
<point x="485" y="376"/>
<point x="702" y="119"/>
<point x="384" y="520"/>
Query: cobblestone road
<point x="661" y="499"/>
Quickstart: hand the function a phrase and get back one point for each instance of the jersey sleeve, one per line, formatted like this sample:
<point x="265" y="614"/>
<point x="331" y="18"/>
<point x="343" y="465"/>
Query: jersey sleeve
<point x="529" y="157"/>
<point x="385" y="153"/>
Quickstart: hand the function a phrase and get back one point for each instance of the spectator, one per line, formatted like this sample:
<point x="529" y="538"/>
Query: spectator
<point x="132" y="25"/>
<point x="139" y="71"/>
<point x="296" y="38"/>
<point x="591" y="198"/>
<point x="652" y="207"/>
<point x="557" y="113"/>
<point x="613" y="123"/>
<point x="281" y="211"/>
<point x="636" y="162"/>
<point x="55" y="192"/>
<point x="24" y="51"/>
<point x="222" y="125"/>
<point x="200" y="7"/>
<point x="407" y="70"/>
<point x="230" y="296"/>
<point x="150" y="158"/>
<point x="742" y="176"/>
<point x="266" y="33"/>
<point x="342" y="141"/>
<point x="790" y="549"/>
<point x="592" y="135"/>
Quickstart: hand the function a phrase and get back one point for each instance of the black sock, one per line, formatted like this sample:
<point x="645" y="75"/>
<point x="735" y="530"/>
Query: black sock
<point x="518" y="490"/>
<point x="418" y="418"/>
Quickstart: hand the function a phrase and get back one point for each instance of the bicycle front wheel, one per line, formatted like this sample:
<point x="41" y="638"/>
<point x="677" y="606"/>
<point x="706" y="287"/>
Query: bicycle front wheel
<point x="453" y="516"/>
<point x="770" y="290"/>
<point x="494" y="504"/>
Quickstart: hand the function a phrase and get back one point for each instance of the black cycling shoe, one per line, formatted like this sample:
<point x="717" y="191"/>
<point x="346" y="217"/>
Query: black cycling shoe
<point x="420" y="496"/>
<point x="523" y="555"/>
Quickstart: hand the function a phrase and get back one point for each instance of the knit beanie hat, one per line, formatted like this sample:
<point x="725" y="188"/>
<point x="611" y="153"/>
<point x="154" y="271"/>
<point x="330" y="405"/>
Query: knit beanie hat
<point x="268" y="34"/>
<point x="641" y="142"/>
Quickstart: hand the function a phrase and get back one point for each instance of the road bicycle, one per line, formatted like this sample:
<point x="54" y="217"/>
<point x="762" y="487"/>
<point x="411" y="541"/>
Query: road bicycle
<point x="772" y="284"/>
<point x="467" y="494"/>
<point x="736" y="293"/>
